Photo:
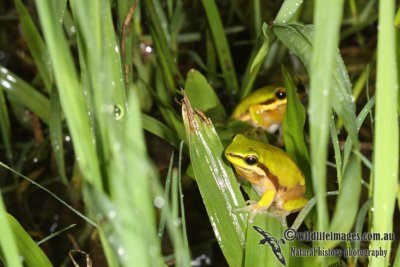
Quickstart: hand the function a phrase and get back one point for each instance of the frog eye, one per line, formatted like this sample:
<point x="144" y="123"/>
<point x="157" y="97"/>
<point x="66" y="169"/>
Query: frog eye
<point x="251" y="160"/>
<point x="280" y="93"/>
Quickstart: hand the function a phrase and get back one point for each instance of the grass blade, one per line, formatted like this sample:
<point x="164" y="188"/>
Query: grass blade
<point x="288" y="11"/>
<point x="31" y="253"/>
<point x="348" y="199"/>
<point x="159" y="129"/>
<point x="293" y="130"/>
<point x="336" y="148"/>
<point x="56" y="135"/>
<point x="71" y="94"/>
<point x="167" y="60"/>
<point x="222" y="47"/>
<point x="25" y="94"/>
<point x="386" y="144"/>
<point x="36" y="45"/>
<point x="8" y="246"/>
<point x="5" y="124"/>
<point x="327" y="16"/>
<point x="217" y="184"/>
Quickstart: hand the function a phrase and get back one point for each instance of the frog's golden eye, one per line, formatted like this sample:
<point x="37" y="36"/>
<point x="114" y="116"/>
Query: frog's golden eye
<point x="280" y="93"/>
<point x="251" y="160"/>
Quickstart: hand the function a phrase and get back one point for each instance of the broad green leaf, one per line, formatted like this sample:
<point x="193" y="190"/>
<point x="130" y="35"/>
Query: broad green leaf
<point x="257" y="254"/>
<point x="217" y="184"/>
<point x="298" y="38"/>
<point x="202" y="96"/>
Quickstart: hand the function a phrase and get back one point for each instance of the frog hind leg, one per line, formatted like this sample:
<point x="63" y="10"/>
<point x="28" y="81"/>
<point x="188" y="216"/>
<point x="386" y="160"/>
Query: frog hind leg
<point x="294" y="205"/>
<point x="291" y="201"/>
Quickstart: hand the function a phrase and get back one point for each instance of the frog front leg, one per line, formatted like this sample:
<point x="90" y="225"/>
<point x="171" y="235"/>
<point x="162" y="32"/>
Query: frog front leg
<point x="267" y="190"/>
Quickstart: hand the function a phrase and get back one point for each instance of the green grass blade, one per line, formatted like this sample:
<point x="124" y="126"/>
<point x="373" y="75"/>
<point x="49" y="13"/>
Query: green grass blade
<point x="360" y="120"/>
<point x="134" y="193"/>
<point x="327" y="17"/>
<point x="257" y="17"/>
<point x="36" y="45"/>
<point x="217" y="184"/>
<point x="257" y="58"/>
<point x="397" y="259"/>
<point x="71" y="94"/>
<point x="54" y="234"/>
<point x="222" y="47"/>
<point x="386" y="144"/>
<point x="8" y="246"/>
<point x="288" y="11"/>
<point x="159" y="129"/>
<point x="160" y="39"/>
<point x="336" y="149"/>
<point x="25" y="94"/>
<point x="30" y="252"/>
<point x="59" y="9"/>
<point x="5" y="124"/>
<point x="78" y="213"/>
<point x="56" y="135"/>
<point x="359" y="225"/>
<point x="293" y="130"/>
<point x="348" y="199"/>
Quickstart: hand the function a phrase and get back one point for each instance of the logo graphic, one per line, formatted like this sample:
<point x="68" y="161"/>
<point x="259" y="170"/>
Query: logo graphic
<point x="273" y="243"/>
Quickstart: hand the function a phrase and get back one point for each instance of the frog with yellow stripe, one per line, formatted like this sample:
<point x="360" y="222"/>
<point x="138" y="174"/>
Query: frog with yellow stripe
<point x="263" y="108"/>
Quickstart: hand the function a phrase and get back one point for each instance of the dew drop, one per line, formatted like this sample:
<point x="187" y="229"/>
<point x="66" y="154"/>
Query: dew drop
<point x="11" y="78"/>
<point x="5" y="84"/>
<point x="159" y="202"/>
<point x="118" y="112"/>
<point x="121" y="251"/>
<point x="117" y="147"/>
<point x="112" y="214"/>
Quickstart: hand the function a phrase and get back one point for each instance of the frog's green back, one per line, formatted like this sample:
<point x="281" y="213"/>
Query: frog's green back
<point x="261" y="95"/>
